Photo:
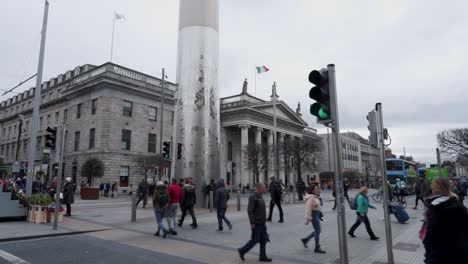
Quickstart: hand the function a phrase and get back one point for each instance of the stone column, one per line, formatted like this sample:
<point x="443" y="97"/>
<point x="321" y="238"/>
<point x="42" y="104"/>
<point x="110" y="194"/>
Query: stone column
<point x="258" y="141"/>
<point x="271" y="169"/>
<point x="244" y="171"/>
<point x="223" y="158"/>
<point x="281" y="157"/>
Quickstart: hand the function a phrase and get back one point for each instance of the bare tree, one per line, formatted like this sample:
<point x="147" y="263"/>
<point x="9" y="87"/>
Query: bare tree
<point x="257" y="158"/>
<point x="302" y="151"/>
<point x="149" y="162"/>
<point x="454" y="142"/>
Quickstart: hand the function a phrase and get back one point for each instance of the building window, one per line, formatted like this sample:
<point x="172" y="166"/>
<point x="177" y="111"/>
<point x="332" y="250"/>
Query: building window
<point x="124" y="171"/>
<point x="9" y="132"/>
<point x="152" y="143"/>
<point x="4" y="132"/>
<point x="93" y="106"/>
<point x="57" y="118"/>
<point x="7" y="153"/>
<point x="48" y="121"/>
<point x="78" y="110"/>
<point x="230" y="151"/>
<point x="77" y="140"/>
<point x="127" y="108"/>
<point x="126" y="139"/>
<point x="40" y="123"/>
<point x="92" y="134"/>
<point x="65" y="115"/>
<point x="27" y="126"/>
<point x="14" y="131"/>
<point x="38" y="143"/>
<point x="2" y="149"/>
<point x="153" y="113"/>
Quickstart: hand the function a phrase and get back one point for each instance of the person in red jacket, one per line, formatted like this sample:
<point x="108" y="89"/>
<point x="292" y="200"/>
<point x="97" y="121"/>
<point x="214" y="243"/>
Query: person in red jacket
<point x="175" y="194"/>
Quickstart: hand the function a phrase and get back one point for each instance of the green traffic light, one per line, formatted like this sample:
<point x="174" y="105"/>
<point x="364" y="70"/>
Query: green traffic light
<point x="322" y="114"/>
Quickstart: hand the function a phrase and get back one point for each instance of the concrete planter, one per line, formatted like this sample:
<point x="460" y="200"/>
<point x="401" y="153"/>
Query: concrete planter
<point x="89" y="193"/>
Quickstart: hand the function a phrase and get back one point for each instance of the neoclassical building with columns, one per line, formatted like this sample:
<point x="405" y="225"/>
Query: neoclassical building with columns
<point x="246" y="119"/>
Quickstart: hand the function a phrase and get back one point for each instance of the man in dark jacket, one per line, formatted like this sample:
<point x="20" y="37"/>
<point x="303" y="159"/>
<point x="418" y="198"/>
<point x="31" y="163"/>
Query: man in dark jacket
<point x="189" y="199"/>
<point x="421" y="190"/>
<point x="142" y="192"/>
<point x="68" y="197"/>
<point x="300" y="187"/>
<point x="257" y="216"/>
<point x="221" y="197"/>
<point x="275" y="193"/>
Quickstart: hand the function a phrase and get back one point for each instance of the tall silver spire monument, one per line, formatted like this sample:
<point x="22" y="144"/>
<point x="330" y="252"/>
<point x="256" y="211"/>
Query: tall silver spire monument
<point x="197" y="120"/>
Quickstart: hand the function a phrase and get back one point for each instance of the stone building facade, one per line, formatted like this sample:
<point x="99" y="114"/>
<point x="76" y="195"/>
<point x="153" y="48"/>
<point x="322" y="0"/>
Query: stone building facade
<point x="113" y="113"/>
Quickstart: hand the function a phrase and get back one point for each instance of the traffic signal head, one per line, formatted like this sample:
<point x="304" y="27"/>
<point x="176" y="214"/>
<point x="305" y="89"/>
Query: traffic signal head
<point x="321" y="94"/>
<point x="166" y="149"/>
<point x="179" y="151"/>
<point x="373" y="138"/>
<point x="51" y="138"/>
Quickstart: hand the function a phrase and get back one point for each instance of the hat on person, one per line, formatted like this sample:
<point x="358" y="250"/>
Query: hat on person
<point x="68" y="179"/>
<point x="159" y="183"/>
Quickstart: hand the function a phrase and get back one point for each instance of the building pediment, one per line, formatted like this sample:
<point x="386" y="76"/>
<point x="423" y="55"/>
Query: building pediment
<point x="282" y="111"/>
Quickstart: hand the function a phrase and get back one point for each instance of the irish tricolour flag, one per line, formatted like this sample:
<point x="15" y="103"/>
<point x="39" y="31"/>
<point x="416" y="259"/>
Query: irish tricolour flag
<point x="262" y="69"/>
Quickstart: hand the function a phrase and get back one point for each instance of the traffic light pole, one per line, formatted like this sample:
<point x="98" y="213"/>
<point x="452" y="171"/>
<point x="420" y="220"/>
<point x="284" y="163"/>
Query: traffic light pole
<point x="439" y="165"/>
<point x="388" y="227"/>
<point x="59" y="159"/>
<point x="338" y="167"/>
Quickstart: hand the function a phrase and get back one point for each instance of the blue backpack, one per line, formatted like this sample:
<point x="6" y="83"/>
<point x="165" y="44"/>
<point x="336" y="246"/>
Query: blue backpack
<point x="353" y="203"/>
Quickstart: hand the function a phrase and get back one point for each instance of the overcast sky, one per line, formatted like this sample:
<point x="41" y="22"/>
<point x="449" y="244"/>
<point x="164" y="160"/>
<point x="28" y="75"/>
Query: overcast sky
<point x="409" y="55"/>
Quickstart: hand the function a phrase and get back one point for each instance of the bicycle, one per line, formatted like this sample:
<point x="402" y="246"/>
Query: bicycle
<point x="285" y="197"/>
<point x="377" y="197"/>
<point x="399" y="200"/>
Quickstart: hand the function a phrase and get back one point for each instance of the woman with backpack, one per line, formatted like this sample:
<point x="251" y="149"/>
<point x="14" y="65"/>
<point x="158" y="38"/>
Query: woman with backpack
<point x="363" y="205"/>
<point x="160" y="203"/>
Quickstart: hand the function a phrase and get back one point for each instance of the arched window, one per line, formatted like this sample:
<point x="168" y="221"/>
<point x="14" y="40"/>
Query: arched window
<point x="230" y="150"/>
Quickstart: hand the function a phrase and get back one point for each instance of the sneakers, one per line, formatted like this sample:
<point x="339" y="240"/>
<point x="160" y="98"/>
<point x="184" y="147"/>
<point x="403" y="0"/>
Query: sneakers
<point x="265" y="260"/>
<point x="281" y="221"/>
<point x="230" y="227"/>
<point x="172" y="232"/>
<point x="375" y="238"/>
<point x="304" y="242"/>
<point x="164" y="233"/>
<point x="241" y="255"/>
<point x="194" y="226"/>
<point x="219" y="230"/>
<point x="157" y="233"/>
<point x="351" y="234"/>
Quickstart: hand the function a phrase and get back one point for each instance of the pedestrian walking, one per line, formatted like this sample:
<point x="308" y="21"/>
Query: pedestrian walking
<point x="68" y="197"/>
<point x="275" y="194"/>
<point x="160" y="204"/>
<point x="142" y="193"/>
<point x="363" y="206"/>
<point x="256" y="210"/>
<point x="445" y="234"/>
<point x="313" y="213"/>
<point x="345" y="190"/>
<point x="101" y="188"/>
<point x="210" y="188"/>
<point x="107" y="188"/>
<point x="115" y="190"/>
<point x="300" y="187"/>
<point x="175" y="195"/>
<point x="189" y="199"/>
<point x="460" y="190"/>
<point x="421" y="190"/>
<point x="221" y="197"/>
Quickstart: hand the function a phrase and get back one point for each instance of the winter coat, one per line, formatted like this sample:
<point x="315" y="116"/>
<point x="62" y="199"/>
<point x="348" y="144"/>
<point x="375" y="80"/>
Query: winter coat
<point x="256" y="209"/>
<point x="422" y="188"/>
<point x="300" y="185"/>
<point x="363" y="204"/>
<point x="68" y="197"/>
<point x="158" y="193"/>
<point x="312" y="203"/>
<point x="175" y="193"/>
<point x="446" y="239"/>
<point x="143" y="188"/>
<point x="221" y="196"/>
<point x="189" y="196"/>
<point x="275" y="191"/>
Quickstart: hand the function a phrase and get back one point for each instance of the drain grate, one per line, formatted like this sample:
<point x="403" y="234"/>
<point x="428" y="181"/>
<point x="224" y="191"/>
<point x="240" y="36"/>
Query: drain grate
<point x="406" y="246"/>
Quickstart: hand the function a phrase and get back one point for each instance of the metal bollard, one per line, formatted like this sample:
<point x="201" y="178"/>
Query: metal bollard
<point x="211" y="201"/>
<point x="238" y="201"/>
<point x="133" y="206"/>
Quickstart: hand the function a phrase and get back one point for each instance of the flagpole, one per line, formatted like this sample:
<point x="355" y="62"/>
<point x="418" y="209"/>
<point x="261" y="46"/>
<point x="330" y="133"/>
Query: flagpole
<point x="112" y="39"/>
<point x="255" y="89"/>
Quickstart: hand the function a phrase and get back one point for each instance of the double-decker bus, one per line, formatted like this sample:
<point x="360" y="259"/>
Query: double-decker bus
<point x="403" y="170"/>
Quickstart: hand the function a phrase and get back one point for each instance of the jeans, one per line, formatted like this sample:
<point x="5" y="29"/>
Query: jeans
<point x="159" y="220"/>
<point x="143" y="197"/>
<point x="362" y="218"/>
<point x="171" y="216"/>
<point x="221" y="212"/>
<point x="272" y="205"/>
<point x="417" y="199"/>
<point x="184" y="212"/>
<point x="317" y="228"/>
<point x="259" y="235"/>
